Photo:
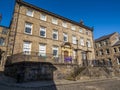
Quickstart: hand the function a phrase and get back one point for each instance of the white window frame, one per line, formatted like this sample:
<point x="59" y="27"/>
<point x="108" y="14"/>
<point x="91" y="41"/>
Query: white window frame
<point x="64" y="24"/>
<point x="43" y="17"/>
<point x="82" y="43"/>
<point x="118" y="62"/>
<point x="87" y="32"/>
<point x="54" y="20"/>
<point x="28" y="25"/>
<point x="107" y="50"/>
<point x="74" y="54"/>
<point x="27" y="47"/>
<point x="42" y="28"/>
<point x="55" y="32"/>
<point x="42" y="50"/>
<point x="74" y="39"/>
<point x="2" y="41"/>
<point x="100" y="52"/>
<point x="73" y="27"/>
<point x="81" y="30"/>
<point x="57" y="49"/>
<point x="89" y="43"/>
<point x="65" y="35"/>
<point x="29" y="12"/>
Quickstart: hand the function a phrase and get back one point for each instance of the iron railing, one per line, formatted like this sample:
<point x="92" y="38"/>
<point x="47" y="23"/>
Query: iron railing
<point x="36" y="57"/>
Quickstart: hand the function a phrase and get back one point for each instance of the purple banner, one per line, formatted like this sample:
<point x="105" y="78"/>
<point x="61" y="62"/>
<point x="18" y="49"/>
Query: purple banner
<point x="67" y="59"/>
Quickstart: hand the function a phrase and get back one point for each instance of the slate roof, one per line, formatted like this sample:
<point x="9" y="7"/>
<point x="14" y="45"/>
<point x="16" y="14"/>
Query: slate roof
<point x="104" y="37"/>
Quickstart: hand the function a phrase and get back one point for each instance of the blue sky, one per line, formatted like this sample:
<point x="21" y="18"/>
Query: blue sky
<point x="103" y="15"/>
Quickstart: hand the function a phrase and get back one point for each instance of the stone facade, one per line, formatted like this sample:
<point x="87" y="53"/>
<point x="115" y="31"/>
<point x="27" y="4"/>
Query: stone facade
<point x="18" y="36"/>
<point x="107" y="49"/>
<point x="4" y="32"/>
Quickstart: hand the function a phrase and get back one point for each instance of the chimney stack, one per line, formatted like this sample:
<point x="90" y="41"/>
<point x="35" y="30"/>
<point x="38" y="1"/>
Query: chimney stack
<point x="81" y="22"/>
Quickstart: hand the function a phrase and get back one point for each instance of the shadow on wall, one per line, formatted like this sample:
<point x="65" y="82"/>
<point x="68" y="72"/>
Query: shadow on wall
<point x="31" y="71"/>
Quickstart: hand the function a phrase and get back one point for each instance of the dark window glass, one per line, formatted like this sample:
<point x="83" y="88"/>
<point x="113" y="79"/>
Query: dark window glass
<point x="54" y="36"/>
<point x="28" y="30"/>
<point x="42" y="33"/>
<point x="54" y="52"/>
<point x="2" y="41"/>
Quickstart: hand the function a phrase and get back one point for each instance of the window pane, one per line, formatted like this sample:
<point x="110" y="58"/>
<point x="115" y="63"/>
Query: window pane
<point x="42" y="50"/>
<point x="42" y="31"/>
<point x="29" y="12"/>
<point x="28" y="28"/>
<point x="55" y="51"/>
<point x="2" y="41"/>
<point x="43" y="17"/>
<point x="54" y="21"/>
<point x="27" y="48"/>
<point x="65" y="37"/>
<point x="74" y="40"/>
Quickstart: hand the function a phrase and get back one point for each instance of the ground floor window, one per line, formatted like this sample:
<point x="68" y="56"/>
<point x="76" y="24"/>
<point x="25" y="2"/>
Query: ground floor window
<point x="55" y="51"/>
<point x="118" y="60"/>
<point x="27" y="47"/>
<point x="42" y="50"/>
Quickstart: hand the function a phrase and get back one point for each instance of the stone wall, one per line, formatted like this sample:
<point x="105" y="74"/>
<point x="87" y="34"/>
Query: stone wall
<point x="30" y="71"/>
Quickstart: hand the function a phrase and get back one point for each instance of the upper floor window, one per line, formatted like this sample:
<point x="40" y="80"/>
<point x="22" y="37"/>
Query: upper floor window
<point x="4" y="31"/>
<point x="96" y="53"/>
<point x="2" y="41"/>
<point x="119" y="49"/>
<point x="29" y="12"/>
<point x="55" y="34"/>
<point x="84" y="56"/>
<point x="43" y="17"/>
<point x="105" y="42"/>
<point x="54" y="20"/>
<point x="73" y="27"/>
<point x="74" y="40"/>
<point x="28" y="28"/>
<point x="115" y="50"/>
<point x="87" y="32"/>
<point x="82" y="41"/>
<point x="88" y="43"/>
<point x="64" y="24"/>
<point x="101" y="52"/>
<point x="99" y="44"/>
<point x="65" y="37"/>
<point x="43" y="31"/>
<point x="27" y="47"/>
<point x="81" y="30"/>
<point x="107" y="51"/>
<point x="118" y="60"/>
<point x="42" y="50"/>
<point x="55" y="51"/>
<point x="74" y="54"/>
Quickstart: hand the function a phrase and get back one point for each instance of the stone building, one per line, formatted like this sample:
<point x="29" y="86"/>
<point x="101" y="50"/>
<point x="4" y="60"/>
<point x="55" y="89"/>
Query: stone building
<point x="4" y="32"/>
<point x="35" y="31"/>
<point x="116" y="57"/>
<point x="41" y="42"/>
<point x="107" y="49"/>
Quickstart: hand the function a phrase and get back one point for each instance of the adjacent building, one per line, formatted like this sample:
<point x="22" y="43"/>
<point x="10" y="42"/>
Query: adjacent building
<point x="4" y="33"/>
<point x="107" y="49"/>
